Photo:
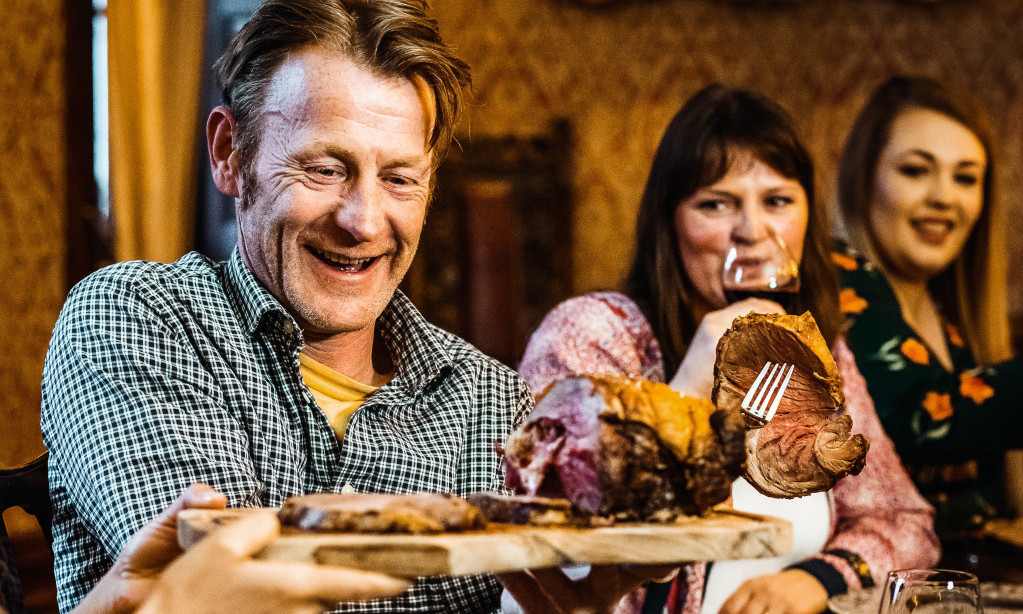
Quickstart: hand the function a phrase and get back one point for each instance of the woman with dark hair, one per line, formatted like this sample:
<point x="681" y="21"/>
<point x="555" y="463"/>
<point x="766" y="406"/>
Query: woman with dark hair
<point x="924" y="287"/>
<point x="730" y="170"/>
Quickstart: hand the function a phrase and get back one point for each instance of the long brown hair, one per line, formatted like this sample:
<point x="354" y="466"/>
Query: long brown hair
<point x="973" y="288"/>
<point x="696" y="150"/>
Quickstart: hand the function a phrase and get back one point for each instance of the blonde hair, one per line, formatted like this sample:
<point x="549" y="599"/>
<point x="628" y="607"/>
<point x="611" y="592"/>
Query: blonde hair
<point x="973" y="288"/>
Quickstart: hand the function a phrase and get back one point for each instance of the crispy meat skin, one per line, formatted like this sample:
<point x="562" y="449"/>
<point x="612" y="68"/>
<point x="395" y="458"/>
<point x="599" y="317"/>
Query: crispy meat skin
<point x="380" y="513"/>
<point x="625" y="447"/>
<point x="808" y="445"/>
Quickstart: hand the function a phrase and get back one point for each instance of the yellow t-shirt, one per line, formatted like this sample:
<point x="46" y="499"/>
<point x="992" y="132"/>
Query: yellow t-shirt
<point x="338" y="395"/>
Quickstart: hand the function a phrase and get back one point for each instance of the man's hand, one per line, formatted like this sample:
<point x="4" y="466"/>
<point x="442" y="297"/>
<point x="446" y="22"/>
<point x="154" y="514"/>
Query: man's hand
<point x="152" y="576"/>
<point x="792" y="591"/>
<point x="550" y="591"/>
<point x="137" y="569"/>
<point x="220" y="575"/>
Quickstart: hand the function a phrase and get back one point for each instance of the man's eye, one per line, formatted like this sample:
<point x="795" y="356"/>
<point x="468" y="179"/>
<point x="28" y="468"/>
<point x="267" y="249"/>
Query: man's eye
<point x="325" y="173"/>
<point x="913" y="170"/>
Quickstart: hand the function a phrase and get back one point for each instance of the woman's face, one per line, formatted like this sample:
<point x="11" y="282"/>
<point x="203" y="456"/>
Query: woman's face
<point x="741" y="209"/>
<point x="928" y="193"/>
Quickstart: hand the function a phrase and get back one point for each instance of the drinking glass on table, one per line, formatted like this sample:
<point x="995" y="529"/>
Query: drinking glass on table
<point x="766" y="270"/>
<point x="930" y="591"/>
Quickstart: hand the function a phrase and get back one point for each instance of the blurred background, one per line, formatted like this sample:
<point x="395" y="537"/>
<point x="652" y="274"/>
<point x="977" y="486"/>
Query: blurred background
<point x="101" y="141"/>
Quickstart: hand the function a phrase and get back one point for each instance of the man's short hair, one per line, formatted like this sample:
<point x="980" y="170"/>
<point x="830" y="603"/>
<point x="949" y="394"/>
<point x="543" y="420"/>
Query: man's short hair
<point x="395" y="38"/>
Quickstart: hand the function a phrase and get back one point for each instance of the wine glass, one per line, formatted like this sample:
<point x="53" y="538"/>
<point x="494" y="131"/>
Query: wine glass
<point x="766" y="269"/>
<point x="927" y="591"/>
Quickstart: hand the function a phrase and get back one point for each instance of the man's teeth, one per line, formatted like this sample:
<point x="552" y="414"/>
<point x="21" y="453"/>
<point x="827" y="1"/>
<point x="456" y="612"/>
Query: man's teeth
<point x="349" y="265"/>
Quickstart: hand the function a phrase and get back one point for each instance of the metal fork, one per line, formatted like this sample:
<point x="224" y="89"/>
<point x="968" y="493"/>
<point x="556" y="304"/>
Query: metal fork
<point x="765" y="394"/>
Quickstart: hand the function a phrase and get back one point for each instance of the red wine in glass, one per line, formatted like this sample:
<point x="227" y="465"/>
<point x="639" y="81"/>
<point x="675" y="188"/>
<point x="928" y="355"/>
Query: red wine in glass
<point x="773" y="274"/>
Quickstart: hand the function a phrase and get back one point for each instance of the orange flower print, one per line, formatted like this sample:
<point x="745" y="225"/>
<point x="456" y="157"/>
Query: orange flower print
<point x="939" y="406"/>
<point x="845" y="262"/>
<point x="974" y="388"/>
<point x="915" y="351"/>
<point x="850" y="302"/>
<point x="953" y="335"/>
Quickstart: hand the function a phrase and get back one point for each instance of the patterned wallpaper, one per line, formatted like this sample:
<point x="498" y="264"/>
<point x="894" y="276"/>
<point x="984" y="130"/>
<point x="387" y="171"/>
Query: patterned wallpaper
<point x="617" y="73"/>
<point x="620" y="72"/>
<point x="32" y="194"/>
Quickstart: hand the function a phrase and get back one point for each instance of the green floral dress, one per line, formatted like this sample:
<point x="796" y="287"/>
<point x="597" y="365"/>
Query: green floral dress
<point x="951" y="428"/>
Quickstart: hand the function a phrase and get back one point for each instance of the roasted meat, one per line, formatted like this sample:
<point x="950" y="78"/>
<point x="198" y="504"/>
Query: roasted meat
<point x="628" y="448"/>
<point x="808" y="445"/>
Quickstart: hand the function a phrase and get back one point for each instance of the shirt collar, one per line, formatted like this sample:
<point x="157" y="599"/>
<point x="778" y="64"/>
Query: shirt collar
<point x="250" y="298"/>
<point x="418" y="349"/>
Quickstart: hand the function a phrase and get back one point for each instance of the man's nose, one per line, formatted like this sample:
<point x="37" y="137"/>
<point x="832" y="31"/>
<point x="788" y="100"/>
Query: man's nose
<point x="360" y="212"/>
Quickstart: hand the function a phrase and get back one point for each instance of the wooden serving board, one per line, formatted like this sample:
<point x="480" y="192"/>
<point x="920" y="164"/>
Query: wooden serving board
<point x="721" y="534"/>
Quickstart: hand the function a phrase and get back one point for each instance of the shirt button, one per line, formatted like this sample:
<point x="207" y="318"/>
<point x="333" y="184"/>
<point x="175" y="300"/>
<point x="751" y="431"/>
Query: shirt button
<point x="289" y="327"/>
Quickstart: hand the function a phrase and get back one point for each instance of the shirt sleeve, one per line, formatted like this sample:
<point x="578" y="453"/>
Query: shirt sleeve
<point x="933" y="415"/>
<point x="881" y="522"/>
<point x="131" y="416"/>
<point x="602" y="333"/>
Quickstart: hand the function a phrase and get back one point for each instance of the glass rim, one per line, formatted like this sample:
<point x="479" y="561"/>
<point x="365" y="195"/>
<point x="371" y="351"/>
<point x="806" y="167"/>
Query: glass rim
<point x="934" y="574"/>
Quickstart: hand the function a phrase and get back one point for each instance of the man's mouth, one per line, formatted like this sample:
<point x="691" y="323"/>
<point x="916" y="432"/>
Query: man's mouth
<point x="343" y="263"/>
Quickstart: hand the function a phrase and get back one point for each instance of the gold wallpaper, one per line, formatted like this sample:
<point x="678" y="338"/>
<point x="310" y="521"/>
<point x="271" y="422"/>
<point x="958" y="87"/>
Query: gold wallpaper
<point x="620" y="73"/>
<point x="32" y="194"/>
<point x="617" y="73"/>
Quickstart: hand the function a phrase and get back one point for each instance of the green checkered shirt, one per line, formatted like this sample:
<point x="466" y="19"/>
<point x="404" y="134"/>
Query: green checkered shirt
<point x="161" y="375"/>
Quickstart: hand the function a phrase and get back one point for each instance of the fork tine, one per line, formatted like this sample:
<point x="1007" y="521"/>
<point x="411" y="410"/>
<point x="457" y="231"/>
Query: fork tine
<point x="781" y="393"/>
<point x="753" y="388"/>
<point x="758" y="403"/>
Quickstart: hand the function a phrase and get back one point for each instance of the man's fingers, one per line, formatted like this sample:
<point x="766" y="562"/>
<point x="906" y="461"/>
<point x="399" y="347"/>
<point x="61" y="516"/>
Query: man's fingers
<point x="527" y="592"/>
<point x="195" y="496"/>
<point x="330" y="585"/>
<point x="201" y="496"/>
<point x="245" y="537"/>
<point x="651" y="573"/>
<point x="555" y="584"/>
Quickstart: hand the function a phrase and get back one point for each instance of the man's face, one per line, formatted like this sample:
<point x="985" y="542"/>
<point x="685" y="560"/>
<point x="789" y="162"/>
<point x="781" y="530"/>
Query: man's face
<point x="335" y="200"/>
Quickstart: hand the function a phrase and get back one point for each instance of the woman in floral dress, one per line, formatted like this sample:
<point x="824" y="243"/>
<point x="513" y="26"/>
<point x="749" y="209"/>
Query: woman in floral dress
<point x="730" y="170"/>
<point x="924" y="292"/>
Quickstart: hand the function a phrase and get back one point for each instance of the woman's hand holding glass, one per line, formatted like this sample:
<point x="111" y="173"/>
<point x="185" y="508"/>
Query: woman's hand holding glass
<point x="760" y="277"/>
<point x="695" y="376"/>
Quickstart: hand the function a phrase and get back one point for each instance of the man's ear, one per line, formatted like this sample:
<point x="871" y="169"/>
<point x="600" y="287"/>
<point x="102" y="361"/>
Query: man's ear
<point x="221" y="142"/>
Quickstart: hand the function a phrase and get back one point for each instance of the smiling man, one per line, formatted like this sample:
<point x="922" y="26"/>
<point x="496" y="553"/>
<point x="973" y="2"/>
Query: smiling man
<point x="296" y="366"/>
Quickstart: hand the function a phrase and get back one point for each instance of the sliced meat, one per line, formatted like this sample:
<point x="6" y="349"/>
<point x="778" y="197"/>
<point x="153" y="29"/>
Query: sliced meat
<point x="536" y="511"/>
<point x="380" y="513"/>
<point x="808" y="445"/>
